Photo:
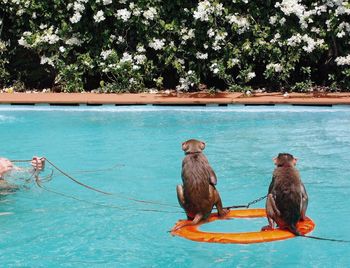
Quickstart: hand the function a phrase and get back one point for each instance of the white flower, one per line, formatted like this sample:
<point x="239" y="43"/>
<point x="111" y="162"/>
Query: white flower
<point x="294" y="40"/>
<point x="107" y="2"/>
<point x="341" y="34"/>
<point x="2" y="46"/>
<point x="203" y="11"/>
<point x="153" y="91"/>
<point x="210" y="32"/>
<point x="49" y="37"/>
<point x="99" y="16"/>
<point x="315" y="30"/>
<point x="126" y="58"/>
<point x="273" y="20"/>
<point x="150" y="14"/>
<point x="201" y="56"/>
<point x="74" y="41"/>
<point x="343" y="60"/>
<point x="141" y="49"/>
<point x="136" y="12"/>
<point x="78" y="7"/>
<point x="140" y="59"/>
<point x="214" y="68"/>
<point x="76" y="17"/>
<point x="218" y="8"/>
<point x="275" y="66"/>
<point x="275" y="38"/>
<point x="342" y="8"/>
<point x="23" y="42"/>
<point x="289" y="7"/>
<point x="120" y="39"/>
<point x="157" y="44"/>
<point x="62" y="49"/>
<point x="286" y="95"/>
<point x="311" y="44"/>
<point x="184" y="84"/>
<point x="220" y="36"/>
<point x="250" y="75"/>
<point x="242" y="23"/>
<point x="234" y="61"/>
<point x="46" y="60"/>
<point x="123" y="14"/>
<point x="187" y="34"/>
<point x="105" y="53"/>
<point x="344" y="29"/>
<point x="20" y="12"/>
<point x="27" y="33"/>
<point x="42" y="26"/>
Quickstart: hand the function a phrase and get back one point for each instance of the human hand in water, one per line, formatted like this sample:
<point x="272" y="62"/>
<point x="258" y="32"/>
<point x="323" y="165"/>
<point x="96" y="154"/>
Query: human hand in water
<point x="38" y="163"/>
<point x="5" y="165"/>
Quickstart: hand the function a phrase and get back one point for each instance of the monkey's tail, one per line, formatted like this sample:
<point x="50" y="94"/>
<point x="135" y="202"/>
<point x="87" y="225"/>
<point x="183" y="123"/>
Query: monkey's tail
<point x="195" y="221"/>
<point x="295" y="231"/>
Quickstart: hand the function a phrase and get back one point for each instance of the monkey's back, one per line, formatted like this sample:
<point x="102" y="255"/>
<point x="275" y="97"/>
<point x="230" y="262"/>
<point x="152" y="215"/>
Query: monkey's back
<point x="195" y="177"/>
<point x="287" y="193"/>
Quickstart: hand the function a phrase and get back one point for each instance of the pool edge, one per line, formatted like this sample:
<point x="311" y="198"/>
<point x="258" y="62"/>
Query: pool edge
<point x="175" y="99"/>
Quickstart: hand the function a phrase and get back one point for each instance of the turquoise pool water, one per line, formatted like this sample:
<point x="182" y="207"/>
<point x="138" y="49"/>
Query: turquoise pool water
<point x="136" y="152"/>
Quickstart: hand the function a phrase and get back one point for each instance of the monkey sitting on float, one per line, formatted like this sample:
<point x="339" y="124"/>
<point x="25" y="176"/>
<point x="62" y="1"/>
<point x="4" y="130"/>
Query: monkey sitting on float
<point x="287" y="199"/>
<point x="198" y="195"/>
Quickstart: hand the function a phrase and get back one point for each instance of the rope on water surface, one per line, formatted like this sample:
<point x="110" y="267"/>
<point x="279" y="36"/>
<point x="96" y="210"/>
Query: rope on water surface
<point x="80" y="170"/>
<point x="75" y="180"/>
<point x="38" y="182"/>
<point x="108" y="193"/>
<point x="97" y="190"/>
<point x="125" y="197"/>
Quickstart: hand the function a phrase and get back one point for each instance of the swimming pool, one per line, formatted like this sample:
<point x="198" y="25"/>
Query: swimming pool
<point x="136" y="152"/>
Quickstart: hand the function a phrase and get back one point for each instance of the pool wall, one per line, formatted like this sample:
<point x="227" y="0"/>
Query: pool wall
<point x="193" y="99"/>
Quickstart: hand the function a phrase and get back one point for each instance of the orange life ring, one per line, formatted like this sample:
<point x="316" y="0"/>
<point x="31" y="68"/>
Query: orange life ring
<point x="191" y="231"/>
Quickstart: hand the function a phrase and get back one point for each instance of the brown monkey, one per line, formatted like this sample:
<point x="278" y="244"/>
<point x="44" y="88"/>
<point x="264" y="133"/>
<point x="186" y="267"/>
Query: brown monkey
<point x="198" y="195"/>
<point x="287" y="199"/>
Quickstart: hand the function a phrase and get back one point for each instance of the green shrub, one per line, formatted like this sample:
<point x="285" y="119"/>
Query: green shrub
<point x="130" y="46"/>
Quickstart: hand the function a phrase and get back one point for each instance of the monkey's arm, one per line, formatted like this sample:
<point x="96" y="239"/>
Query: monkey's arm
<point x="212" y="177"/>
<point x="271" y="184"/>
<point x="303" y="191"/>
<point x="304" y="201"/>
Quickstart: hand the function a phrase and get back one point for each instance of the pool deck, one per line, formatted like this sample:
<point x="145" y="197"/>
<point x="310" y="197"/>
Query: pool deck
<point x="198" y="98"/>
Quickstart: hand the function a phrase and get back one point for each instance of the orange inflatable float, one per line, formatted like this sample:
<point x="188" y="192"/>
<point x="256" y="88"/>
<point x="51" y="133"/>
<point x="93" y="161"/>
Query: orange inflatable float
<point x="193" y="233"/>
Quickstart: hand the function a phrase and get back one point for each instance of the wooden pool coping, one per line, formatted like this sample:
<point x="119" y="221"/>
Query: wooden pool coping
<point x="199" y="98"/>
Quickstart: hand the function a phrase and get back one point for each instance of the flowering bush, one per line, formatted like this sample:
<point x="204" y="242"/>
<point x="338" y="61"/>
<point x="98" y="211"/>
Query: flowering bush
<point x="120" y="45"/>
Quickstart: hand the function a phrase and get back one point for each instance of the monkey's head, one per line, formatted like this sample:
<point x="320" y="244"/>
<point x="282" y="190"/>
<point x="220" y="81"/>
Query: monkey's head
<point x="284" y="160"/>
<point x="193" y="146"/>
